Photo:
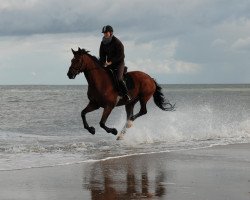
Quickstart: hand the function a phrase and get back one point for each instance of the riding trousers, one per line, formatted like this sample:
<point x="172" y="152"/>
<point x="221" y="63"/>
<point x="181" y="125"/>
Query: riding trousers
<point x="119" y="70"/>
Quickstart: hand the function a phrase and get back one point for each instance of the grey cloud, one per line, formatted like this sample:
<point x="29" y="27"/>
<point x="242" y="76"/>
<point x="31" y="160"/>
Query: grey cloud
<point x="47" y="17"/>
<point x="147" y="19"/>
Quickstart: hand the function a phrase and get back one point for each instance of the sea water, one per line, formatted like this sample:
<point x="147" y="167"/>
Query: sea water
<point x="42" y="126"/>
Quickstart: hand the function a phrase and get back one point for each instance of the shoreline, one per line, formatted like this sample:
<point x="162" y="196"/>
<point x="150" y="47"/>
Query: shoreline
<point x="120" y="157"/>
<point x="218" y="172"/>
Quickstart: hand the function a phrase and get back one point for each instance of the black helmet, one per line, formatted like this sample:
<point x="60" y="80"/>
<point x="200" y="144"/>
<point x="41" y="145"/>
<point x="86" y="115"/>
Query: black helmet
<point x="107" y="28"/>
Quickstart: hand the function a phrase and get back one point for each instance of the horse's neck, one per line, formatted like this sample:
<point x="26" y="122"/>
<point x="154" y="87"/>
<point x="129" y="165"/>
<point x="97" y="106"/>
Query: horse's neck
<point x="96" y="77"/>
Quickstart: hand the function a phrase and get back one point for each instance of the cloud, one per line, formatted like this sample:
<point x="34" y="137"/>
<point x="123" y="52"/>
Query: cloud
<point x="48" y="55"/>
<point x="33" y="73"/>
<point x="41" y="17"/>
<point x="242" y="44"/>
<point x="219" y="43"/>
<point x="186" y="67"/>
<point x="166" y="67"/>
<point x="235" y="33"/>
<point x="13" y="4"/>
<point x="159" y="60"/>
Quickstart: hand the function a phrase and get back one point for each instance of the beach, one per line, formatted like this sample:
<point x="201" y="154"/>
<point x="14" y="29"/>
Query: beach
<point x="219" y="172"/>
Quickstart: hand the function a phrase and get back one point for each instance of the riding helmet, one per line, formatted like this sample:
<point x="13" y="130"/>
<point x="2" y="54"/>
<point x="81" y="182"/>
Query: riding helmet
<point x="107" y="28"/>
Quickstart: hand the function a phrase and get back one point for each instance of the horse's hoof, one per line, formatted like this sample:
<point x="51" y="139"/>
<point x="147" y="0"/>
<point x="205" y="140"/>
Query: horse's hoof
<point x="92" y="130"/>
<point x="114" y="131"/>
<point x="120" y="137"/>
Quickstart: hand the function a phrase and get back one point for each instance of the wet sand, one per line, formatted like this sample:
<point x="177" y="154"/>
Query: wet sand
<point x="217" y="173"/>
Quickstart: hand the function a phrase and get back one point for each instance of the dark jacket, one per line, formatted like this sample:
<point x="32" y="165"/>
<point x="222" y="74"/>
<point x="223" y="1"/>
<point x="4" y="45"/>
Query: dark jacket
<point x="113" y="51"/>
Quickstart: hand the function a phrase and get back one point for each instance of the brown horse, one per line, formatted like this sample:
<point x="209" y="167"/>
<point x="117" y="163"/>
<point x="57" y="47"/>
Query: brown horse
<point x="102" y="93"/>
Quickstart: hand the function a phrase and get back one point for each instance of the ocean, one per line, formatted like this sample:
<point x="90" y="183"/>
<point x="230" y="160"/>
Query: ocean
<point x="42" y="126"/>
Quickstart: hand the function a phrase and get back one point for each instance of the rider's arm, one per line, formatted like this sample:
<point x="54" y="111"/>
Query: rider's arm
<point x="102" y="55"/>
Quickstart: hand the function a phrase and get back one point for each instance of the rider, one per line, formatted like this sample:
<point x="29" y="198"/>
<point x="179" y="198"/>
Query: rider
<point x="111" y="54"/>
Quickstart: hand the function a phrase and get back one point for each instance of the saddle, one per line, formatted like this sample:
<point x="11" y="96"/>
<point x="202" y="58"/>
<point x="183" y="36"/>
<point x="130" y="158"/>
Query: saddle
<point x="126" y="77"/>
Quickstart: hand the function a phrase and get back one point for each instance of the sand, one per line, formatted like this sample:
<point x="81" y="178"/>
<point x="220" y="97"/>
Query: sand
<point x="216" y="173"/>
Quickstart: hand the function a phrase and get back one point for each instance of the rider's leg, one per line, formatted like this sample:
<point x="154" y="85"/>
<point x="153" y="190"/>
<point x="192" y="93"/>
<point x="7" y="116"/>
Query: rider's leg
<point x="122" y="83"/>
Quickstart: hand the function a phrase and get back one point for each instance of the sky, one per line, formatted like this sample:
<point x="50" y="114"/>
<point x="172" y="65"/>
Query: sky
<point x="174" y="41"/>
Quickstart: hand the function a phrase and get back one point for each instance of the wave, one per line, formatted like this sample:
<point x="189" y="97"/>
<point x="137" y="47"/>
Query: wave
<point x="15" y="143"/>
<point x="65" y="163"/>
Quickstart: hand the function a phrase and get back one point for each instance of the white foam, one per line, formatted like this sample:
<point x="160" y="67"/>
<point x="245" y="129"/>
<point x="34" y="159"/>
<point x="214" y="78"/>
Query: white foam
<point x="200" y="123"/>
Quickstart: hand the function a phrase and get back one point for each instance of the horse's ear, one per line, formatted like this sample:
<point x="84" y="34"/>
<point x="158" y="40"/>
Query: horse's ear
<point x="73" y="51"/>
<point x="79" y="49"/>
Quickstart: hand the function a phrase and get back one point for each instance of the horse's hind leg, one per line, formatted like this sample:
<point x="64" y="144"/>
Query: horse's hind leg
<point x="130" y="112"/>
<point x="106" y="113"/>
<point x="89" y="108"/>
<point x="143" y="110"/>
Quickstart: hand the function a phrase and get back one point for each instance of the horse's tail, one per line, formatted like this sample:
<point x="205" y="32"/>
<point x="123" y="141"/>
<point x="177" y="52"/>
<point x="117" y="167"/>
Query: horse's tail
<point x="160" y="100"/>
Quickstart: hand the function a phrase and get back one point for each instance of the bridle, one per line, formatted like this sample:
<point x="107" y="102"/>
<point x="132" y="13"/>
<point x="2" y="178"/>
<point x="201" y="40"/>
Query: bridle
<point x="78" y="69"/>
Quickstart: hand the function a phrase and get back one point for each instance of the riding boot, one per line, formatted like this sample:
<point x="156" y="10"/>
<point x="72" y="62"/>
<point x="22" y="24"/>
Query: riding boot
<point x="124" y="90"/>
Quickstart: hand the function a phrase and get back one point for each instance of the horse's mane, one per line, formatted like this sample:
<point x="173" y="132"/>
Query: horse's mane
<point x="94" y="58"/>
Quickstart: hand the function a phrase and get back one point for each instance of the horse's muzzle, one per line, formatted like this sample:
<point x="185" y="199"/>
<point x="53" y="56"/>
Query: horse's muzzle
<point x="71" y="75"/>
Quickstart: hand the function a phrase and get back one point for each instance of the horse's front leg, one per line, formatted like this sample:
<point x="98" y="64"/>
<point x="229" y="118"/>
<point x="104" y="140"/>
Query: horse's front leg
<point x="106" y="113"/>
<point x="89" y="108"/>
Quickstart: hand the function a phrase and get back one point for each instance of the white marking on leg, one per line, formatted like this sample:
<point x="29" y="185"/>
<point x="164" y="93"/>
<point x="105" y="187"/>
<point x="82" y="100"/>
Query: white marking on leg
<point x="120" y="137"/>
<point x="122" y="133"/>
<point x="129" y="124"/>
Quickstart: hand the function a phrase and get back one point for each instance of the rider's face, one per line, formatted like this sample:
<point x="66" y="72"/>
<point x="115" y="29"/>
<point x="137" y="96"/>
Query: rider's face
<point x="107" y="34"/>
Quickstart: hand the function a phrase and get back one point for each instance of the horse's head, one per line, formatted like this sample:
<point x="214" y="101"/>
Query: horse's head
<point x="77" y="63"/>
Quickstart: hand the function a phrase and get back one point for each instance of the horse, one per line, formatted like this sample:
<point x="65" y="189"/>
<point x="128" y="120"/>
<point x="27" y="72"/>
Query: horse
<point x="102" y="92"/>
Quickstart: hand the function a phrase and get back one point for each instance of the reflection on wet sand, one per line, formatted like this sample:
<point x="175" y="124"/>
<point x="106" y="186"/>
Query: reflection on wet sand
<point x="132" y="179"/>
